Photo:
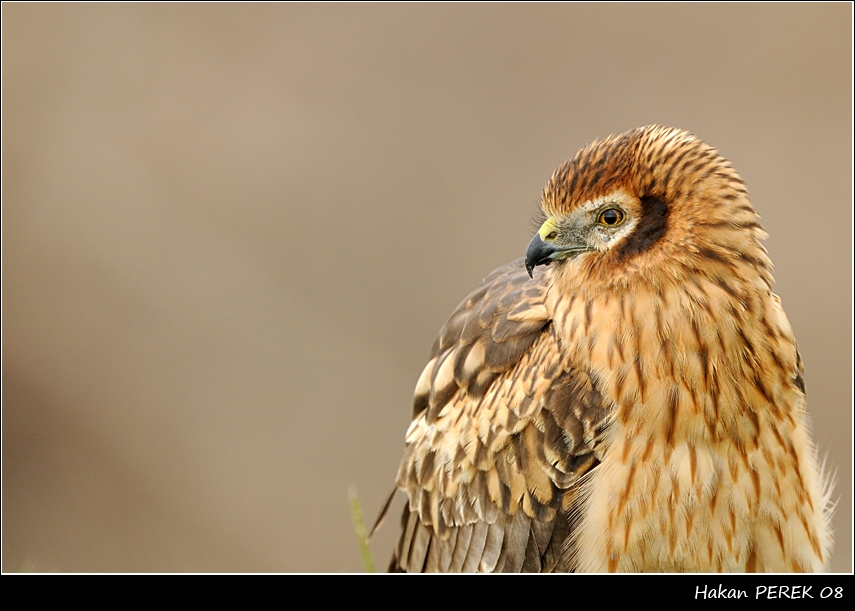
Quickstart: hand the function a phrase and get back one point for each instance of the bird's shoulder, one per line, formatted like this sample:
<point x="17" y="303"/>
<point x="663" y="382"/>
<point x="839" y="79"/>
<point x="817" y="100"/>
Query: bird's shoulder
<point x="486" y="334"/>
<point x="503" y="428"/>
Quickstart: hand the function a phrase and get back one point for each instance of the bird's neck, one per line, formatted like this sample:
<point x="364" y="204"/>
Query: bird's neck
<point x="674" y="359"/>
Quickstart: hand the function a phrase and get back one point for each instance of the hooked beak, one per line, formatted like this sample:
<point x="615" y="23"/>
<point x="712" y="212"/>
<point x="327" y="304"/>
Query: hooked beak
<point x="542" y="250"/>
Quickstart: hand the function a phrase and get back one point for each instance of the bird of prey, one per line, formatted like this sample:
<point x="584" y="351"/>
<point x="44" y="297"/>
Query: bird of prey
<point x="626" y="398"/>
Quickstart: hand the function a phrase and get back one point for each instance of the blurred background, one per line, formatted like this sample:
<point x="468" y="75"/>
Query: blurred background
<point x="231" y="234"/>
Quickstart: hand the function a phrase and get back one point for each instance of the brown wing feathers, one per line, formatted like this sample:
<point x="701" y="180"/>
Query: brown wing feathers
<point x="502" y="430"/>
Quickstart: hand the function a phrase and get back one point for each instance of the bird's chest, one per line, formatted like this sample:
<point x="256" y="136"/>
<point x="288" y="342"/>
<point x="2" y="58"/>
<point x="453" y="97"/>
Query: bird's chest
<point x="646" y="510"/>
<point x="655" y="505"/>
<point x="707" y="465"/>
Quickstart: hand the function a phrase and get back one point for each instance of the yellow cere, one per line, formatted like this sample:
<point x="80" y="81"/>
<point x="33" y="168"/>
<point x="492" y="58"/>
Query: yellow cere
<point x="547" y="228"/>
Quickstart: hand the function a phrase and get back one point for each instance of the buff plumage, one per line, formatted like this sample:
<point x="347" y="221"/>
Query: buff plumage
<point x="636" y="405"/>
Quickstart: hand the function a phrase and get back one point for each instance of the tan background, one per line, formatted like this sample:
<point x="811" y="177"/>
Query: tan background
<point x="231" y="233"/>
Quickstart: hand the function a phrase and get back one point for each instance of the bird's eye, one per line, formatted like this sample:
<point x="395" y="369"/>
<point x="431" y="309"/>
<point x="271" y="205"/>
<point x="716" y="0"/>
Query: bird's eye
<point x="611" y="217"/>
